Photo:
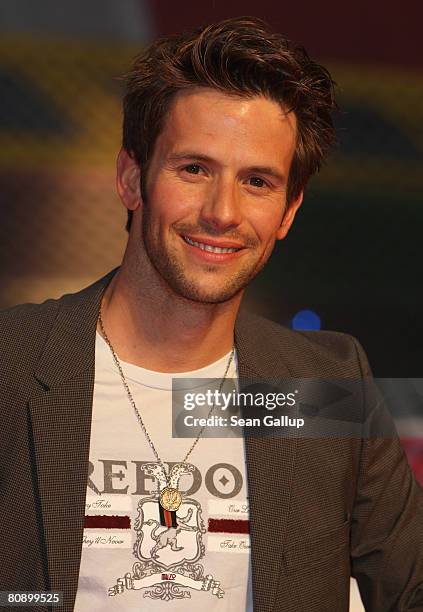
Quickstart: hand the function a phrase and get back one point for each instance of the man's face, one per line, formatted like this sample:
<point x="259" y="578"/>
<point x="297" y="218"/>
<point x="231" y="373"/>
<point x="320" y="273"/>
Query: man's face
<point x="216" y="192"/>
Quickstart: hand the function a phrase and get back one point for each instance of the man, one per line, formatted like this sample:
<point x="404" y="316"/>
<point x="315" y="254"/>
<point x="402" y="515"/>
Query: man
<point x="222" y="129"/>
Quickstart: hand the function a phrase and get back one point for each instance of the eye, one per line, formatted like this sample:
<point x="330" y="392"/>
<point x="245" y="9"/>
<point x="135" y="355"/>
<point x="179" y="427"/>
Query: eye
<point x="256" y="181"/>
<point x="192" y="168"/>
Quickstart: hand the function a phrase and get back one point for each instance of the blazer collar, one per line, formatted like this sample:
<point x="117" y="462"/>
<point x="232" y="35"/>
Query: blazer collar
<point x="69" y="350"/>
<point x="61" y="421"/>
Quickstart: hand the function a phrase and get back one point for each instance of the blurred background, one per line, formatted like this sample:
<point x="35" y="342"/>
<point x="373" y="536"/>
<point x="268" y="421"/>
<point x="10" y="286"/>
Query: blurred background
<point x="353" y="259"/>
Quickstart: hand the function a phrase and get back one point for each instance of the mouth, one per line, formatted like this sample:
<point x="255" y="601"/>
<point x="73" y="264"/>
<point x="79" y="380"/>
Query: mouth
<point x="212" y="248"/>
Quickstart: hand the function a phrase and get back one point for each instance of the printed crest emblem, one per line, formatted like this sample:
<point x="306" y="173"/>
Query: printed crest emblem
<point x="168" y="547"/>
<point x="167" y="557"/>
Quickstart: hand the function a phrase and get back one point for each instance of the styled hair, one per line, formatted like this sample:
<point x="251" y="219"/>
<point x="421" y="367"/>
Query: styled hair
<point x="239" y="56"/>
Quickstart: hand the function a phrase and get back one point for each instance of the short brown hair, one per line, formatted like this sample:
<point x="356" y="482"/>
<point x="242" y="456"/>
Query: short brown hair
<point x="239" y="56"/>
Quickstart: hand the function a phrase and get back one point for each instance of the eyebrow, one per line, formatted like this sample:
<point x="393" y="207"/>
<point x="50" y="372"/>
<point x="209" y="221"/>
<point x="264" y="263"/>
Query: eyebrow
<point x="268" y="170"/>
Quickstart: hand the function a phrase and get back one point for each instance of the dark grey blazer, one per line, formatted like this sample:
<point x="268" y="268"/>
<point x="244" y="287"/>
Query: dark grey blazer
<point x="320" y="509"/>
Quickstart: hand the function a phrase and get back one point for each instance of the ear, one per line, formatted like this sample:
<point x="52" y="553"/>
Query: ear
<point x="128" y="180"/>
<point x="289" y="216"/>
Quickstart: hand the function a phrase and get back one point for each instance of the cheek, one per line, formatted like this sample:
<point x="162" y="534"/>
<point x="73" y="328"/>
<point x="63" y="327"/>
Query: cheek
<point x="266" y="227"/>
<point x="171" y="201"/>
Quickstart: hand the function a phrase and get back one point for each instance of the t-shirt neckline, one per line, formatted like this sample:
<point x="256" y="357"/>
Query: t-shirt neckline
<point x="159" y="380"/>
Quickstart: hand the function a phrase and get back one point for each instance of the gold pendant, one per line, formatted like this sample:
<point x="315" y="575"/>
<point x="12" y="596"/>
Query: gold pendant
<point x="170" y="499"/>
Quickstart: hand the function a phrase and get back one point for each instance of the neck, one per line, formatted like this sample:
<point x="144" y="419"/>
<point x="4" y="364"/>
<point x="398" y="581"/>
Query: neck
<point x="160" y="331"/>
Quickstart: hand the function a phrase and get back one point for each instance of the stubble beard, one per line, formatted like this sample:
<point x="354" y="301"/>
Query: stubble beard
<point x="173" y="273"/>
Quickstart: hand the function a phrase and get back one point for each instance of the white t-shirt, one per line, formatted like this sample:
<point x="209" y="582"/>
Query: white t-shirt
<point x="129" y="560"/>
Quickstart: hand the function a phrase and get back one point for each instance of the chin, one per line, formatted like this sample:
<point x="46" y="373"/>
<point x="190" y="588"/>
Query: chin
<point x="195" y="292"/>
<point x="192" y="286"/>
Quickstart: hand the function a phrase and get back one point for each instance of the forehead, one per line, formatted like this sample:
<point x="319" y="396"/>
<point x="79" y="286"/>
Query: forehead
<point x="204" y="118"/>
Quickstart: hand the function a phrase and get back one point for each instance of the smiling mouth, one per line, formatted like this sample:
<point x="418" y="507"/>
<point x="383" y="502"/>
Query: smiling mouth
<point x="209" y="247"/>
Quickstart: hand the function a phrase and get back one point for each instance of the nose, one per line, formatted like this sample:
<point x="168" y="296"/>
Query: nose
<point x="222" y="207"/>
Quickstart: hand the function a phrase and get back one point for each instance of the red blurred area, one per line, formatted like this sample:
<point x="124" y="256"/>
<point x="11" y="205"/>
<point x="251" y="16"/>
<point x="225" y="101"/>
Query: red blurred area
<point x="414" y="450"/>
<point x="360" y="31"/>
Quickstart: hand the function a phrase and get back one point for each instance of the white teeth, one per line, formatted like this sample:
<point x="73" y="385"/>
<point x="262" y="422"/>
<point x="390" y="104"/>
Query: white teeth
<point x="208" y="247"/>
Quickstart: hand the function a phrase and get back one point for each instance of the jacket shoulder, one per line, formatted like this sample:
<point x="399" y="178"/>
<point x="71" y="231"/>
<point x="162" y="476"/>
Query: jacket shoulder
<point x="23" y="317"/>
<point x="23" y="332"/>
<point x="308" y="353"/>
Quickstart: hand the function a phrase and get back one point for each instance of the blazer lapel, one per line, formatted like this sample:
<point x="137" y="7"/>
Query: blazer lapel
<point x="270" y="469"/>
<point x="60" y="424"/>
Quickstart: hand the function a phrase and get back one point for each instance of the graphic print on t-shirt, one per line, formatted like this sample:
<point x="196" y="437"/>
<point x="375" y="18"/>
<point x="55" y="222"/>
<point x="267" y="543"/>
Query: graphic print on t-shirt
<point x="167" y="557"/>
<point x="128" y="556"/>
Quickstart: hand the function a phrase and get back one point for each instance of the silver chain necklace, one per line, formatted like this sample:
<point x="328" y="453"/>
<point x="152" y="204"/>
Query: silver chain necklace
<point x="170" y="498"/>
